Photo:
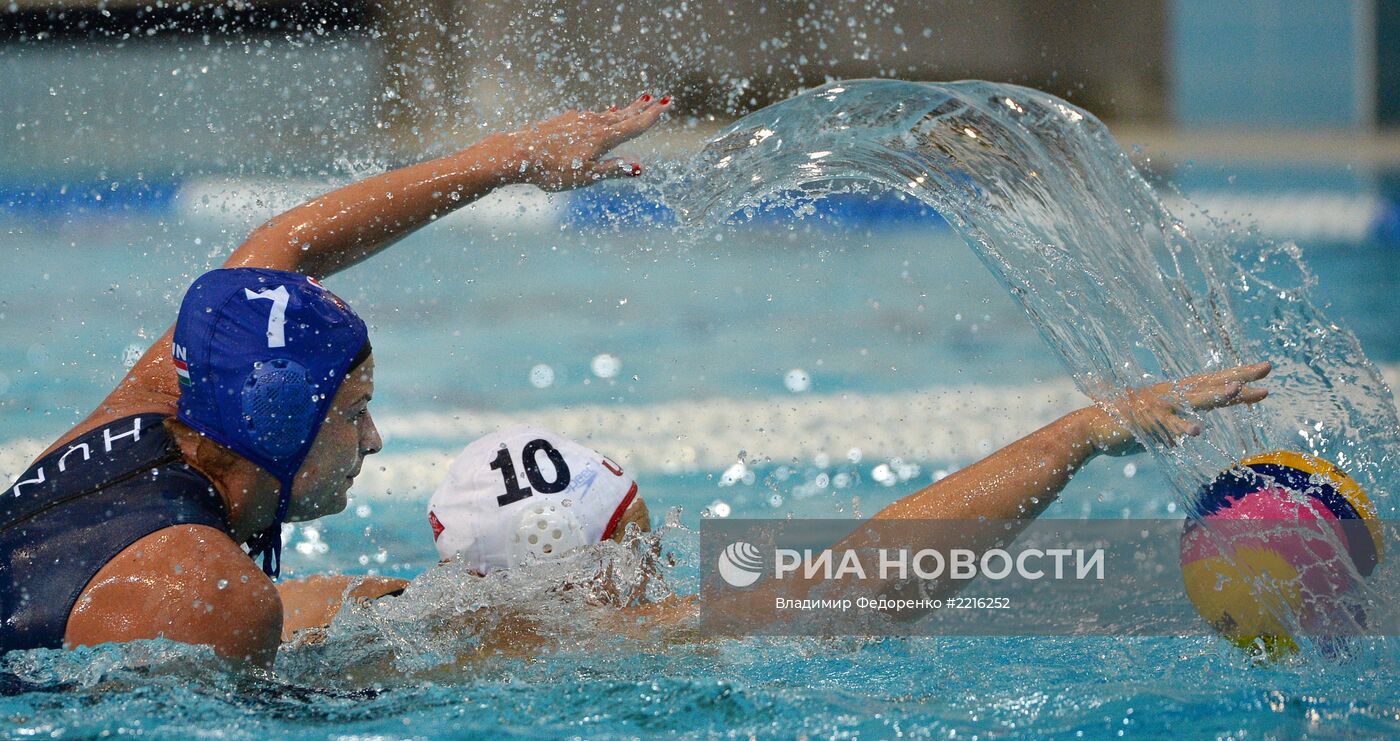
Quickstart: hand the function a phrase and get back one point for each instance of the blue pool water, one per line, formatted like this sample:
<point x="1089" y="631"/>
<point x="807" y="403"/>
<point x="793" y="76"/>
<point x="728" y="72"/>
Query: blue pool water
<point x="733" y="344"/>
<point x="914" y="357"/>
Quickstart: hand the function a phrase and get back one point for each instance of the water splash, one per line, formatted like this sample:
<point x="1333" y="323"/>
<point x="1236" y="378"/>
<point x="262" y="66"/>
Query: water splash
<point x="450" y="619"/>
<point x="1114" y="281"/>
<point x="1118" y="287"/>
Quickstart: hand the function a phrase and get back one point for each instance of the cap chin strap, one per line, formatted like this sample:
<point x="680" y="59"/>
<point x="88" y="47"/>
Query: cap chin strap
<point x="268" y="543"/>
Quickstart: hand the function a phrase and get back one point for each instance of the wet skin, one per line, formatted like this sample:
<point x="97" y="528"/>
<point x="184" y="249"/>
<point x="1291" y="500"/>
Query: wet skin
<point x="193" y="583"/>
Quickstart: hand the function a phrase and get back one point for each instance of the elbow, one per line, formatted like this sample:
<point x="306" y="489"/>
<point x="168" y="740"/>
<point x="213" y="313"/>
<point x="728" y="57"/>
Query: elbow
<point x="277" y="245"/>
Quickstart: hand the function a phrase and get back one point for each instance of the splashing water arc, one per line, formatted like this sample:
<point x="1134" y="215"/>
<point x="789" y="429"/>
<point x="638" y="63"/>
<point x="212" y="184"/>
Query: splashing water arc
<point x="1116" y="284"/>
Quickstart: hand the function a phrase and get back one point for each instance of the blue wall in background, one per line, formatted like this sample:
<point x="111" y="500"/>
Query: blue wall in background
<point x="1283" y="63"/>
<point x="1388" y="62"/>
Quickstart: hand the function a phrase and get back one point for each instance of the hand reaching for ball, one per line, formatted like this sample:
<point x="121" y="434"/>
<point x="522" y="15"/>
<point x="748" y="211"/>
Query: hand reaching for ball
<point x="1158" y="410"/>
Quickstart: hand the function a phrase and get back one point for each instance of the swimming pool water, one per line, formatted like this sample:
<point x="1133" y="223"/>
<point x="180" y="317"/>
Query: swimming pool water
<point x="461" y="316"/>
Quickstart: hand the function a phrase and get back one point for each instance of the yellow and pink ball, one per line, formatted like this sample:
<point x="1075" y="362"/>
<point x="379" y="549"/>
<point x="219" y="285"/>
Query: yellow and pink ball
<point x="1281" y="545"/>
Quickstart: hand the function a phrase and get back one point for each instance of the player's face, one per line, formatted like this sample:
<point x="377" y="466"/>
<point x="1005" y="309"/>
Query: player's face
<point x="346" y="436"/>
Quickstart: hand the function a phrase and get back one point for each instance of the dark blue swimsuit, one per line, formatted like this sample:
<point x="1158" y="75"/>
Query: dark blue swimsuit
<point x="76" y="508"/>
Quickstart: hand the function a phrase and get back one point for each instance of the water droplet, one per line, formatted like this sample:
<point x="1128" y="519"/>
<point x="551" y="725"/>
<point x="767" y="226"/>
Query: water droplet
<point x="541" y="376"/>
<point x="797" y="381"/>
<point x="605" y="365"/>
<point x="37" y="355"/>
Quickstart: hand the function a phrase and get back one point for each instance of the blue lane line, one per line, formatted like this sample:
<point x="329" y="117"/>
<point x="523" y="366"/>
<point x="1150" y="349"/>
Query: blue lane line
<point x="1387" y="226"/>
<point x="602" y="207"/>
<point x="66" y="199"/>
<point x="590" y="208"/>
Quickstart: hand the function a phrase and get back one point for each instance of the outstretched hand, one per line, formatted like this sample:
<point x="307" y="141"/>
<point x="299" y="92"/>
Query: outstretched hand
<point x="567" y="151"/>
<point x="1157" y="410"/>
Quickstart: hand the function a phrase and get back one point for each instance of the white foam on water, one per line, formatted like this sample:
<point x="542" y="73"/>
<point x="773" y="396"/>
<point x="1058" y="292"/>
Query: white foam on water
<point x="936" y="425"/>
<point x="1299" y="215"/>
<point x="942" y="423"/>
<point x="247" y="202"/>
<point x="929" y="426"/>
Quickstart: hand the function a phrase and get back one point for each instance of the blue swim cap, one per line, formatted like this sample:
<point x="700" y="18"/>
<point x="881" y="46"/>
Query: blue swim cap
<point x="260" y="355"/>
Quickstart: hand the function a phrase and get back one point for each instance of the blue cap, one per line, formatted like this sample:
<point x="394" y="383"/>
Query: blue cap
<point x="260" y="355"/>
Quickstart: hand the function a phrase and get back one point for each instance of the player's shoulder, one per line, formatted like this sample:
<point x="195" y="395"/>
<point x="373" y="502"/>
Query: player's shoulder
<point x="188" y="583"/>
<point x="207" y="562"/>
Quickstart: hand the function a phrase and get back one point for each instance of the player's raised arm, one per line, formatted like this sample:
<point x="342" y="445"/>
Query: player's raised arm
<point x="347" y="225"/>
<point x="339" y="229"/>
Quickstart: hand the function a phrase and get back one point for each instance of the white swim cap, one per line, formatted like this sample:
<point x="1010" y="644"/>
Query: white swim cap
<point x="525" y="493"/>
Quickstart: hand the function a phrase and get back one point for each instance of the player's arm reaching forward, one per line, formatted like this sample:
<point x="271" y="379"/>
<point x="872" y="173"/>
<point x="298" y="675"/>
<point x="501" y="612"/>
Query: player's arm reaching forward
<point x="1017" y="482"/>
<point x="1020" y="480"/>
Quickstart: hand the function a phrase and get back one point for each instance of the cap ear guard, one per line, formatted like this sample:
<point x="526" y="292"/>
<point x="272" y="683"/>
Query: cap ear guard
<point x="545" y="530"/>
<point x="279" y="406"/>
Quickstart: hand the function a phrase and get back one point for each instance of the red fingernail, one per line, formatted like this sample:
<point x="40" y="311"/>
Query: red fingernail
<point x="636" y="169"/>
<point x="646" y="97"/>
<point x="612" y="109"/>
<point x="666" y="100"/>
